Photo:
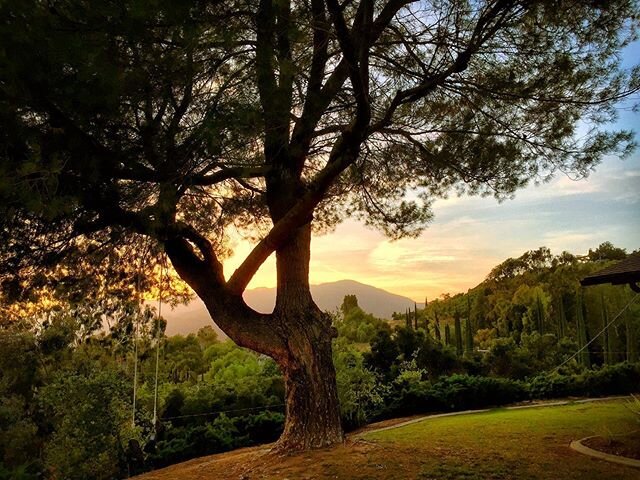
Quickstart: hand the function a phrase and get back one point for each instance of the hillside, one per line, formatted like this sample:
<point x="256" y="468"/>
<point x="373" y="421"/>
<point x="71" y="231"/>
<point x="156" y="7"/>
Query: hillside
<point x="443" y="448"/>
<point x="186" y="319"/>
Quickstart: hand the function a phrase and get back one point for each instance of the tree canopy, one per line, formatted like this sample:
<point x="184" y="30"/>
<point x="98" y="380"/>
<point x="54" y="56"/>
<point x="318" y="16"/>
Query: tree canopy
<point x="179" y="120"/>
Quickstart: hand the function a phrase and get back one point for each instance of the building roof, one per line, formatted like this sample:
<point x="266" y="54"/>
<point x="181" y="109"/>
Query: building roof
<point x="625" y="271"/>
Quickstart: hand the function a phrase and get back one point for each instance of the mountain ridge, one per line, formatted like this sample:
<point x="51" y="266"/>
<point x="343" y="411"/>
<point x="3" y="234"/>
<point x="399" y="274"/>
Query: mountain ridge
<point x="186" y="319"/>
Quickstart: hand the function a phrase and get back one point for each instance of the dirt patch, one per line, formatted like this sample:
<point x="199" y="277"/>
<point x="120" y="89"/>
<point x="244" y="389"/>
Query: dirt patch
<point x="623" y="446"/>
<point x="262" y="464"/>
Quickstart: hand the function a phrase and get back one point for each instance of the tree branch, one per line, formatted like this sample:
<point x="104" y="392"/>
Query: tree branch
<point x="482" y="31"/>
<point x="227" y="174"/>
<point x="343" y="154"/>
<point x="317" y="102"/>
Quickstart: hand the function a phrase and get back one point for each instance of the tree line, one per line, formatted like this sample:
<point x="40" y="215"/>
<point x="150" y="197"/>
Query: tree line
<point x="538" y="295"/>
<point x="67" y="386"/>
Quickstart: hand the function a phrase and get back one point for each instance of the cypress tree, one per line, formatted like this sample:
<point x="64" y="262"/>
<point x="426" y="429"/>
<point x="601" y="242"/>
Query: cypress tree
<point x="426" y="317"/>
<point x="562" y="318"/>
<point x="480" y="310"/>
<point x="468" y="328"/>
<point x="468" y="335"/>
<point x="632" y="352"/>
<point x="407" y="320"/>
<point x="436" y="327"/>
<point x="415" y="314"/>
<point x="539" y="315"/>
<point x="607" y="350"/>
<point x="583" y="357"/>
<point x="458" y="333"/>
<point x="447" y="334"/>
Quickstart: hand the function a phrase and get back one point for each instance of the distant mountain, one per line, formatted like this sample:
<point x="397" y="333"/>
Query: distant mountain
<point x="189" y="318"/>
<point x="329" y="296"/>
<point x="185" y="319"/>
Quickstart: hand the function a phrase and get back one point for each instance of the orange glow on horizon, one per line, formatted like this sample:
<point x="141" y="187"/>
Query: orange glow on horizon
<point x="354" y="252"/>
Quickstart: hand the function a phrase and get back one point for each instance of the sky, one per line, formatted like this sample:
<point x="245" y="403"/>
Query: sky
<point x="470" y="235"/>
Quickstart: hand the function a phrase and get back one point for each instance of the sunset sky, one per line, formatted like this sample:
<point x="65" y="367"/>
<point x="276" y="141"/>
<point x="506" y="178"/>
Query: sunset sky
<point x="470" y="235"/>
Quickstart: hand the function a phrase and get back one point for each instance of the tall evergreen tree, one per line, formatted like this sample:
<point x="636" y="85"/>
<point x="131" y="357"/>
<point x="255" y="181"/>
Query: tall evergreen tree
<point x="468" y="335"/>
<point x="607" y="353"/>
<point x="426" y="316"/>
<point x="179" y="121"/>
<point x="458" y="333"/>
<point x="562" y="318"/>
<point x="447" y="334"/>
<point x="539" y="314"/>
<point x="584" y="358"/>
<point x="436" y="326"/>
<point x="415" y="315"/>
<point x="480" y="310"/>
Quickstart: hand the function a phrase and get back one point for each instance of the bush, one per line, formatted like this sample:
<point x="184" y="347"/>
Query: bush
<point x="462" y="392"/>
<point x="618" y="379"/>
<point x="359" y="391"/>
<point x="408" y="399"/>
<point x="358" y="326"/>
<point x="456" y="392"/>
<point x="506" y="359"/>
<point x="181" y="443"/>
<point x="90" y="418"/>
<point x="262" y="427"/>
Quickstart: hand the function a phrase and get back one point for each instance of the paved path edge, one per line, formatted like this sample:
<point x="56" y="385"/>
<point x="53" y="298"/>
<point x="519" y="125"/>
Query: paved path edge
<point x="580" y="448"/>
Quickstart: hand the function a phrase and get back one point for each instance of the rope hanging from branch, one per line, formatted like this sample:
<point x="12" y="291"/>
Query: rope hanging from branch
<point x="155" y="387"/>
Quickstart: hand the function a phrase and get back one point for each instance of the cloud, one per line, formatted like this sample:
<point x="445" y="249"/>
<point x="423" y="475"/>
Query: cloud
<point x="400" y="254"/>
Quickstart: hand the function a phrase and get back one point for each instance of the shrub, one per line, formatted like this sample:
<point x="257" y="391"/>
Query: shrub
<point x="456" y="392"/>
<point x="181" y="443"/>
<point x="358" y="388"/>
<point x="461" y="392"/>
<point x="618" y="379"/>
<point x="262" y="427"/>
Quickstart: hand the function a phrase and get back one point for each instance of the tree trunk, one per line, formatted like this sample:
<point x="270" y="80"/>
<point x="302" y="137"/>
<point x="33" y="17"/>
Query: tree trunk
<point x="312" y="409"/>
<point x="297" y="335"/>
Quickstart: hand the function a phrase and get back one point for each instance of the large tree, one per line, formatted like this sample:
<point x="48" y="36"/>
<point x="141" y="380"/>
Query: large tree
<point x="180" y="119"/>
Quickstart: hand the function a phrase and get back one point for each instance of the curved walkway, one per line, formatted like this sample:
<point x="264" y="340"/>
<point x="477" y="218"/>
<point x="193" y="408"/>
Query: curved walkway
<point x="579" y="447"/>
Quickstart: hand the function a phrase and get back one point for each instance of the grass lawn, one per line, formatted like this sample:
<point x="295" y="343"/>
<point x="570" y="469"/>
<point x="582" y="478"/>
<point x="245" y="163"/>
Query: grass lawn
<point x="523" y="444"/>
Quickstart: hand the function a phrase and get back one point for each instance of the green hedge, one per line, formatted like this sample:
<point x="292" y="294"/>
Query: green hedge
<point x="464" y="392"/>
<point x="619" y="379"/>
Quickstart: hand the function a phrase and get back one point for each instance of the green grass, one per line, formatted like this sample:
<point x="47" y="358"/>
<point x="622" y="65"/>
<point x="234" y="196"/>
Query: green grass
<point x="512" y="444"/>
<point x="526" y="444"/>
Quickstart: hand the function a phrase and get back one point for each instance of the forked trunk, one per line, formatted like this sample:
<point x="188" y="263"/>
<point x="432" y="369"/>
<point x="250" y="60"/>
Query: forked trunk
<point x="312" y="409"/>
<point x="297" y="335"/>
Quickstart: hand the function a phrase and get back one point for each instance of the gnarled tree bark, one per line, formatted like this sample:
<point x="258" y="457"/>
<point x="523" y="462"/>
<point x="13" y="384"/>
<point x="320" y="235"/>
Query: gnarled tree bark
<point x="312" y="409"/>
